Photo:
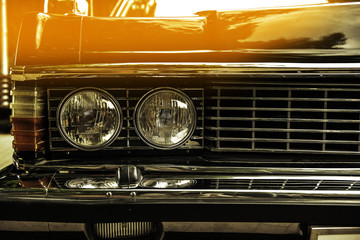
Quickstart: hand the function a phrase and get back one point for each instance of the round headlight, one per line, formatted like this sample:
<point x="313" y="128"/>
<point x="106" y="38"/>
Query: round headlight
<point x="165" y="118"/>
<point x="89" y="119"/>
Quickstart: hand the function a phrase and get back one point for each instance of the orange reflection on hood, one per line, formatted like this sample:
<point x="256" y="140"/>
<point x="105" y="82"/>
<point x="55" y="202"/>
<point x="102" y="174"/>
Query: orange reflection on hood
<point x="189" y="7"/>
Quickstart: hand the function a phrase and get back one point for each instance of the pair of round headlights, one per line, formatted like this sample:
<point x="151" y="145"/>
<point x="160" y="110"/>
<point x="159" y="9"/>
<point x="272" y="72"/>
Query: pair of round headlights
<point x="91" y="119"/>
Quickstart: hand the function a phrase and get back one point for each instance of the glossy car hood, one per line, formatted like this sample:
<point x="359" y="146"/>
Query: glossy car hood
<point x="319" y="33"/>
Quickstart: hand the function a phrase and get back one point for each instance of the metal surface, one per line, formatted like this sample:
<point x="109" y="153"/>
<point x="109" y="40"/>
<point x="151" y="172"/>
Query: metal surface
<point x="184" y="196"/>
<point x="235" y="189"/>
<point x="300" y="33"/>
<point x="170" y="168"/>
<point x="128" y="139"/>
<point x="233" y="227"/>
<point x="28" y="226"/>
<point x="282" y="117"/>
<point x="219" y="227"/>
<point x="288" y="183"/>
<point x="177" y="69"/>
<point x="123" y="230"/>
<point x="220" y="182"/>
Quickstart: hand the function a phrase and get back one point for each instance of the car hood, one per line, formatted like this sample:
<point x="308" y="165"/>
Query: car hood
<point x="318" y="33"/>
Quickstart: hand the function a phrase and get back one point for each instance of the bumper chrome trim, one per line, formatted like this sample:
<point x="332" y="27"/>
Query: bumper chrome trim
<point x="233" y="227"/>
<point x="208" y="227"/>
<point x="29" y="226"/>
<point x="171" y="168"/>
<point x="188" y="196"/>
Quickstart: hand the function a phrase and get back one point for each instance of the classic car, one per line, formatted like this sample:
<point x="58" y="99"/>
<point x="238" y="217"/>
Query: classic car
<point x="231" y="124"/>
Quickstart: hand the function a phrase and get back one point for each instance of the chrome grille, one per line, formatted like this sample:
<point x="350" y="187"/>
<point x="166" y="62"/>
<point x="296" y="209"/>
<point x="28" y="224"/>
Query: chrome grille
<point x="127" y="98"/>
<point x="123" y="230"/>
<point x="288" y="183"/>
<point x="284" y="118"/>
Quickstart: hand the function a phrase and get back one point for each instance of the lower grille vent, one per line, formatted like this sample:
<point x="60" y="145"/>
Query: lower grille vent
<point x="125" y="230"/>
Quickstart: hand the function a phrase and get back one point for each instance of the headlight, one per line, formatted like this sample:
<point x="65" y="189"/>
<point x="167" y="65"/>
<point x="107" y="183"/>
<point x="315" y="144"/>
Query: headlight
<point x="165" y="118"/>
<point x="89" y="119"/>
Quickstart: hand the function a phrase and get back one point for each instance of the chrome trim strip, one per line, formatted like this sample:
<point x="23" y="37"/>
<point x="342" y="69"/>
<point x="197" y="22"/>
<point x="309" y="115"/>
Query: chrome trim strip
<point x="169" y="168"/>
<point x="187" y="196"/>
<point x="214" y="227"/>
<point x="233" y="227"/>
<point x="29" y="226"/>
<point x="22" y="73"/>
<point x="67" y="227"/>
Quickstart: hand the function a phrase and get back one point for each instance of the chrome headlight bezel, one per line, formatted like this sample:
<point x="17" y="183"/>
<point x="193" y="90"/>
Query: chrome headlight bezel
<point x="151" y="93"/>
<point x="109" y="97"/>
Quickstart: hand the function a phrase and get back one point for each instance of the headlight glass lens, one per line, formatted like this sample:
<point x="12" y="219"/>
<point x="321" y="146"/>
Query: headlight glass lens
<point x="89" y="119"/>
<point x="165" y="118"/>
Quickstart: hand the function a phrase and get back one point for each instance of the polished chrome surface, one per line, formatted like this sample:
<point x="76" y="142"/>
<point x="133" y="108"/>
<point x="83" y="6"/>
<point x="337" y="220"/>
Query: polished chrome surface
<point x="193" y="196"/>
<point x="128" y="139"/>
<point x="91" y="183"/>
<point x="169" y="168"/>
<point x="163" y="183"/>
<point x="233" y="227"/>
<point x="288" y="183"/>
<point x="220" y="182"/>
<point x="215" y="227"/>
<point x="29" y="226"/>
<point x="274" y="116"/>
<point x="175" y="69"/>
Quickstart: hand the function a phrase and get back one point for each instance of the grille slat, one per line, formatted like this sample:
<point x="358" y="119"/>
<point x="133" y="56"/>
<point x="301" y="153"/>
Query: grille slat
<point x="284" y="109"/>
<point x="282" y="130"/>
<point x="272" y="118"/>
<point x="283" y="140"/>
<point x="287" y="99"/>
<point x="282" y="119"/>
<point x="128" y="139"/>
<point x="284" y="184"/>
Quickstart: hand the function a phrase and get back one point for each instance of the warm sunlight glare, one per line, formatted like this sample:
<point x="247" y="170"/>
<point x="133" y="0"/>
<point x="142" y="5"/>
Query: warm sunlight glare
<point x="189" y="7"/>
<point x="5" y="65"/>
<point x="82" y="7"/>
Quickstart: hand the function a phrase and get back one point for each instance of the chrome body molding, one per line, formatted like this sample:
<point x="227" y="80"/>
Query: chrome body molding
<point x="233" y="227"/>
<point x="219" y="227"/>
<point x="23" y="73"/>
<point x="185" y="196"/>
<point x="29" y="226"/>
<point x="172" y="168"/>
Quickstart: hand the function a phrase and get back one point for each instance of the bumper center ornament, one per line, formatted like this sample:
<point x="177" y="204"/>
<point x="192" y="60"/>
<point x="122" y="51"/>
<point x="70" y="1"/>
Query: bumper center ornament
<point x="128" y="176"/>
